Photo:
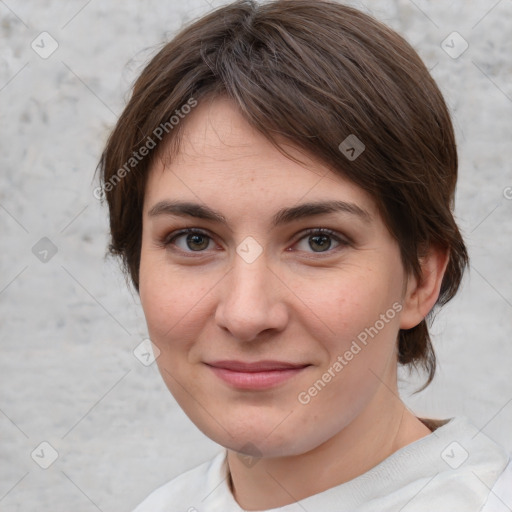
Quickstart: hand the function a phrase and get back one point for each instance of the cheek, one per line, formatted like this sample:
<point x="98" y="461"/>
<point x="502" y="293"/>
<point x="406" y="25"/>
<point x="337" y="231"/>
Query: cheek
<point x="344" y="303"/>
<point x="355" y="320"/>
<point x="171" y="299"/>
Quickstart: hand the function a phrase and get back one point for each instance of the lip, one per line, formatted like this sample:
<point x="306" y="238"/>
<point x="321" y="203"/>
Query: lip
<point x="257" y="375"/>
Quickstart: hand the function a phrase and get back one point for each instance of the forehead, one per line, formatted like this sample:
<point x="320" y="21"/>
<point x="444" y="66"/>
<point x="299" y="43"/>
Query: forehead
<point x="222" y="159"/>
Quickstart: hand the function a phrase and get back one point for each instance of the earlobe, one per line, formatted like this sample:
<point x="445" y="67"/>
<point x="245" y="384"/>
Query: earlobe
<point x="421" y="294"/>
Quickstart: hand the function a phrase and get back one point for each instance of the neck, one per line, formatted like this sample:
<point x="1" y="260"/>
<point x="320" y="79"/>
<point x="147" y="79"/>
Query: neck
<point x="370" y="438"/>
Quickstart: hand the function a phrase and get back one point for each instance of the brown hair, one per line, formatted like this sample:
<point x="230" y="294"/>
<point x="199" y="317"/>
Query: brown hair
<point x="311" y="73"/>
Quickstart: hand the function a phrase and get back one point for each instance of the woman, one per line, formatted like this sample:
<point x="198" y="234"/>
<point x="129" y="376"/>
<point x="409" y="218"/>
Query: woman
<point x="280" y="188"/>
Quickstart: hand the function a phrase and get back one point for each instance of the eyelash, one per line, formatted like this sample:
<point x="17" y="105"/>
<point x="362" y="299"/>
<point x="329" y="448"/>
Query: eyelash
<point x="168" y="240"/>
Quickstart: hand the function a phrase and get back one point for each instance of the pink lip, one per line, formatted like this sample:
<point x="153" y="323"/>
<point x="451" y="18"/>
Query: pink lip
<point x="258" y="375"/>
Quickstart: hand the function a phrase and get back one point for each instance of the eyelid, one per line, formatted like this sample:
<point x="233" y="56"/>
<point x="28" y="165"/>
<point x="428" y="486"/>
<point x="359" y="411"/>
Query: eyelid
<point x="185" y="231"/>
<point x="166" y="241"/>
<point x="341" y="239"/>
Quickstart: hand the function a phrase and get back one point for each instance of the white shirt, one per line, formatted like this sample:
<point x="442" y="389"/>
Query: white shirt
<point x="456" y="468"/>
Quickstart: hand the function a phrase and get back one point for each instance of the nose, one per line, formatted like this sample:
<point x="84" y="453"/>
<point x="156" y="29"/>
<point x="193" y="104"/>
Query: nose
<point x="251" y="301"/>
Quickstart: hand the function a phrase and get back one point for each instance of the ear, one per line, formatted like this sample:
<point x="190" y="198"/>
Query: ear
<point x="421" y="294"/>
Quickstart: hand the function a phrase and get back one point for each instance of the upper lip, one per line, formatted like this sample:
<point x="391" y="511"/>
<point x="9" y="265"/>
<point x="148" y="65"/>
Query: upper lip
<point x="258" y="366"/>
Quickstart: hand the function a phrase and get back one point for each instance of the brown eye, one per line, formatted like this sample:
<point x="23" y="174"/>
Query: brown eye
<point x="197" y="242"/>
<point x="320" y="241"/>
<point x="190" y="240"/>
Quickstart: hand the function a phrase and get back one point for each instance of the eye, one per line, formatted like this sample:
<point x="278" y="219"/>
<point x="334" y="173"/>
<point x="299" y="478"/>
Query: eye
<point x="189" y="240"/>
<point x="320" y="240"/>
<point x="316" y="240"/>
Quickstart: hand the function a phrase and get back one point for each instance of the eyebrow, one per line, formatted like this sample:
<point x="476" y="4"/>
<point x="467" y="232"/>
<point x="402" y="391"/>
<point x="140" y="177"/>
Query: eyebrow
<point x="283" y="216"/>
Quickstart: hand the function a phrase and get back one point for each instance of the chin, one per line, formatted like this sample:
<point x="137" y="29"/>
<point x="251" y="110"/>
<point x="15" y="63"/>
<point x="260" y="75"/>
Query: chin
<point x="270" y="438"/>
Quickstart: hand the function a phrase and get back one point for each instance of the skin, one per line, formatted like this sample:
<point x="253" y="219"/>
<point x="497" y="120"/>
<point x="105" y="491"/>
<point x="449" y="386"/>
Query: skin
<point x="298" y="301"/>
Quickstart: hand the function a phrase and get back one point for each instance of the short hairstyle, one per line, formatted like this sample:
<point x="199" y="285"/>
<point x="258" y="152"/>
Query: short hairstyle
<point x="309" y="73"/>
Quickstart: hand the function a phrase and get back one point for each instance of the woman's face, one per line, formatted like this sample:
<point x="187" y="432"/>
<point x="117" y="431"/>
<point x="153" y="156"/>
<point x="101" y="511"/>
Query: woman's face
<point x="276" y="319"/>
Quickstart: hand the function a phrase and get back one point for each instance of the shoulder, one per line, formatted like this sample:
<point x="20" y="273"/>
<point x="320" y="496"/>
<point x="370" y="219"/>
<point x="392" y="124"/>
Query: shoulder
<point x="500" y="496"/>
<point x="468" y="467"/>
<point x="455" y="467"/>
<point x="181" y="493"/>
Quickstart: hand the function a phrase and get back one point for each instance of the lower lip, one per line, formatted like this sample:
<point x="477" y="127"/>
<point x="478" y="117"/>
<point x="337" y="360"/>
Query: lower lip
<point x="256" y="380"/>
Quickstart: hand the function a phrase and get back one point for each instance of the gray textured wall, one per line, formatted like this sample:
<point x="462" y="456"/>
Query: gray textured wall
<point x="69" y="325"/>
